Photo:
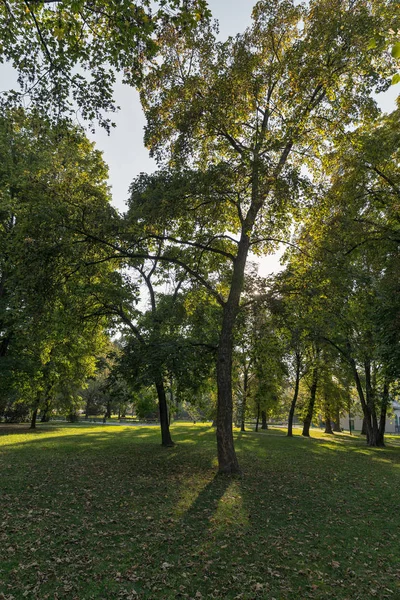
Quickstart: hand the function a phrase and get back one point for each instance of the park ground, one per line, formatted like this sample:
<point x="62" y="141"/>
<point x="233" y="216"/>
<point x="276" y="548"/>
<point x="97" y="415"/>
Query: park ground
<point x="106" y="513"/>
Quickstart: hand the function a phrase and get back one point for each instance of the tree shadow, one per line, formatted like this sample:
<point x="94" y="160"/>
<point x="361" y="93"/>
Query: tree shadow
<point x="24" y="428"/>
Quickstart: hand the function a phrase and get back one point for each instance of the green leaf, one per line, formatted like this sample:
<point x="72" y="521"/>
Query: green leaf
<point x="396" y="50"/>
<point x="396" y="79"/>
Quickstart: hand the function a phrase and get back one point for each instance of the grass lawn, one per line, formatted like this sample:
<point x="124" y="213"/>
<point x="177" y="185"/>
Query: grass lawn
<point x="107" y="513"/>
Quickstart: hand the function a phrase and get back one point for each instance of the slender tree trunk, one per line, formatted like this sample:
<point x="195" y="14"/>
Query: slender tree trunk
<point x="108" y="410"/>
<point x="311" y="404"/>
<point x="35" y="412"/>
<point x="264" y="424"/>
<point x="328" y="424"/>
<point x="244" y="401"/>
<point x="367" y="422"/>
<point x="382" y="420"/>
<point x="242" y="424"/>
<point x="372" y="433"/>
<point x="258" y="416"/>
<point x="166" y="439"/>
<point x="295" y="396"/>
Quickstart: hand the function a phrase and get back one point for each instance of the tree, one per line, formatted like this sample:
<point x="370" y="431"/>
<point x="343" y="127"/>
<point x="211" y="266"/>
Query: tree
<point x="51" y="178"/>
<point x="163" y="340"/>
<point x="67" y="53"/>
<point x="242" y="118"/>
<point x="349" y="254"/>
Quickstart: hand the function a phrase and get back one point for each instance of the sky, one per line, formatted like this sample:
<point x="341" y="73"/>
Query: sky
<point x="123" y="149"/>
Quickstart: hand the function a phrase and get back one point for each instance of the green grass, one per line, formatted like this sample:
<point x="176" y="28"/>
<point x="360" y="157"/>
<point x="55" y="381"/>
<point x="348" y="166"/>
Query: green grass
<point x="107" y="513"/>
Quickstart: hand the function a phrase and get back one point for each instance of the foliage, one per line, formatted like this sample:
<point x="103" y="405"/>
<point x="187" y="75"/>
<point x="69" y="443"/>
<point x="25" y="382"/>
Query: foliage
<point x="146" y="404"/>
<point x="243" y="119"/>
<point x="51" y="181"/>
<point x="67" y="52"/>
<point x="349" y="255"/>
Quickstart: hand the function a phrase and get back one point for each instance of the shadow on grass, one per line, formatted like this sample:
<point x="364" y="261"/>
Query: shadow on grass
<point x="117" y="505"/>
<point x="24" y="429"/>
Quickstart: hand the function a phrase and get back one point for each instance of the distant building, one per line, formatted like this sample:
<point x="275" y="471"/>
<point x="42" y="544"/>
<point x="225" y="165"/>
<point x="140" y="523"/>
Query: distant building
<point x="392" y="420"/>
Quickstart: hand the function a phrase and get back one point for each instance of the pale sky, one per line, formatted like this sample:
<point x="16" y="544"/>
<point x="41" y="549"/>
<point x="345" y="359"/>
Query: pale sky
<point x="123" y="149"/>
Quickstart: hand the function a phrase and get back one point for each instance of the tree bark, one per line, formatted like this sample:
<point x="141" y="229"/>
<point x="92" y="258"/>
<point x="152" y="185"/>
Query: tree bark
<point x="227" y="460"/>
<point x="166" y="439"/>
<point x="244" y="402"/>
<point x="108" y="410"/>
<point x="370" y="420"/>
<point x="46" y="410"/>
<point x="382" y="420"/>
<point x="34" y="415"/>
<point x="311" y="404"/>
<point x="264" y="424"/>
<point x="328" y="424"/>
<point x="295" y="396"/>
<point x="258" y="416"/>
<point x="336" y="422"/>
<point x="372" y="436"/>
<point x="45" y="418"/>
<point x="364" y="427"/>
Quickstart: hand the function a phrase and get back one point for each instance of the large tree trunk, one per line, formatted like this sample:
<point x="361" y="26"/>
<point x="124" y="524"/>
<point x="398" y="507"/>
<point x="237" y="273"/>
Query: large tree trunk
<point x="311" y="404"/>
<point x="336" y="422"/>
<point x="33" y="419"/>
<point x="364" y="426"/>
<point x="166" y="439"/>
<point x="227" y="460"/>
<point x="295" y="395"/>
